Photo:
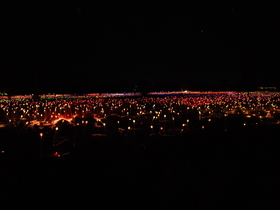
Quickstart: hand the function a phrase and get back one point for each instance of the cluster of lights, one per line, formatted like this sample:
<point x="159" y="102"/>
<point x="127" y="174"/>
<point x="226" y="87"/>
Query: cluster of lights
<point x="164" y="109"/>
<point x="163" y="112"/>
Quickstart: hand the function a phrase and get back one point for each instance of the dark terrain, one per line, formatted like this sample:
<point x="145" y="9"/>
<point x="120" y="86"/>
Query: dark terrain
<point x="196" y="168"/>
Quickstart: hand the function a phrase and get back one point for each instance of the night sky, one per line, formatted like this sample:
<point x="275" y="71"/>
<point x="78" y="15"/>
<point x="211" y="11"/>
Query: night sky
<point x="84" y="47"/>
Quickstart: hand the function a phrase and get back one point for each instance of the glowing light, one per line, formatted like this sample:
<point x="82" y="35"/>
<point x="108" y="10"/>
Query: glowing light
<point x="62" y="118"/>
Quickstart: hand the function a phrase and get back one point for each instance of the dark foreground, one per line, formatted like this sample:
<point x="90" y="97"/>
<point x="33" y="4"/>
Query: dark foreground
<point x="224" y="169"/>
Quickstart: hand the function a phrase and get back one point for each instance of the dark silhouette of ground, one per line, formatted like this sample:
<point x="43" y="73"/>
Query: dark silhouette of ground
<point x="194" y="169"/>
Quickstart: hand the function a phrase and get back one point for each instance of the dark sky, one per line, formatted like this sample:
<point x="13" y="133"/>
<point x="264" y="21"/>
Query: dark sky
<point x="84" y="45"/>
